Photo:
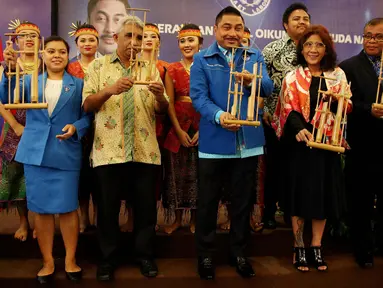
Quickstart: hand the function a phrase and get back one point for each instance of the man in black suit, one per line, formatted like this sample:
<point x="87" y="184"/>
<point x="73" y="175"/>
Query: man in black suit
<point x="365" y="136"/>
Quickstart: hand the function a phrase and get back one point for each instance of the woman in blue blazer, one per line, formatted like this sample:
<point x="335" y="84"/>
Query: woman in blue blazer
<point x="50" y="150"/>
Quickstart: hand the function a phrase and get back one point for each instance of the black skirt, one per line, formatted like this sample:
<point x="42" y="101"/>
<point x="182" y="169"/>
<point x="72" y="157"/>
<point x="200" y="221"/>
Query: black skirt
<point x="313" y="181"/>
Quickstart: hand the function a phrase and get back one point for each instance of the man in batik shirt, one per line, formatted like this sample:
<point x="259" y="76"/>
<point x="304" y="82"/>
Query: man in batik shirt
<point x="125" y="151"/>
<point x="280" y="56"/>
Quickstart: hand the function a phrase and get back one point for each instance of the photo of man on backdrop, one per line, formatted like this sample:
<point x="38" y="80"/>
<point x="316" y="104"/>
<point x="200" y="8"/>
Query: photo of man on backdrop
<point x="105" y="16"/>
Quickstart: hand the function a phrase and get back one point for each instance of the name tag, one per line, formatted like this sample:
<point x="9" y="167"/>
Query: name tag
<point x="215" y="65"/>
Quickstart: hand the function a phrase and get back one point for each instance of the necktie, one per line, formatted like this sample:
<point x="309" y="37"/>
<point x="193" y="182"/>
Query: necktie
<point x="128" y="118"/>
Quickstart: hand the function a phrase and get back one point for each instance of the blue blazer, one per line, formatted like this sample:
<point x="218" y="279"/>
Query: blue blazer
<point x="39" y="145"/>
<point x="209" y="85"/>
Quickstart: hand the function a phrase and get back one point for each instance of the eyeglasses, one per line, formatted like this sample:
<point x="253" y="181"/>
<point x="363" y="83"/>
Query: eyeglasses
<point x="317" y="45"/>
<point x="31" y="36"/>
<point x="377" y="37"/>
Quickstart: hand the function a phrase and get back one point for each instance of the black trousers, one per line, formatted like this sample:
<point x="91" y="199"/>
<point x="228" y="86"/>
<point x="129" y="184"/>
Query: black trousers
<point x="116" y="181"/>
<point x="273" y="163"/>
<point x="363" y="183"/>
<point x="212" y="172"/>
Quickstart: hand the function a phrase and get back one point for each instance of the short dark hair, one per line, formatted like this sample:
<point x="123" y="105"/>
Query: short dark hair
<point x="328" y="61"/>
<point x="374" y="22"/>
<point x="188" y="26"/>
<point x="155" y="25"/>
<point x="85" y="25"/>
<point x="229" y="10"/>
<point x="247" y="30"/>
<point x="291" y="9"/>
<point x="56" y="38"/>
<point x="93" y="3"/>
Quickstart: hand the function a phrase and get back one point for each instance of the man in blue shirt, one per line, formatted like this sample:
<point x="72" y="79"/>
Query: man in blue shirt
<point x="226" y="151"/>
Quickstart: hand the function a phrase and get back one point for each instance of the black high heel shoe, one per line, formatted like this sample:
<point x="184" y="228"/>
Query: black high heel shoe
<point x="317" y="258"/>
<point x="300" y="259"/>
<point x="45" y="279"/>
<point x="74" y="276"/>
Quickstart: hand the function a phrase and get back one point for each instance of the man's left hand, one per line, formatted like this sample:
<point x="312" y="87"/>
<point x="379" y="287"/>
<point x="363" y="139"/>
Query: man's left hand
<point x="157" y="89"/>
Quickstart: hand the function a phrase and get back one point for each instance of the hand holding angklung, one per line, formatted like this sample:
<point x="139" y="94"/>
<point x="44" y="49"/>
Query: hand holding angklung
<point x="69" y="129"/>
<point x="304" y="136"/>
<point x="122" y="85"/>
<point x="157" y="89"/>
<point x="376" y="112"/>
<point x="227" y="116"/>
<point x="9" y="55"/>
<point x="246" y="78"/>
<point x="329" y="95"/>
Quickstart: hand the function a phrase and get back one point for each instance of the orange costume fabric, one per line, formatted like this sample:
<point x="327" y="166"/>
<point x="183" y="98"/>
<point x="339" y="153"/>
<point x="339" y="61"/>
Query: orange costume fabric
<point x="162" y="67"/>
<point x="75" y="69"/>
<point x="186" y="115"/>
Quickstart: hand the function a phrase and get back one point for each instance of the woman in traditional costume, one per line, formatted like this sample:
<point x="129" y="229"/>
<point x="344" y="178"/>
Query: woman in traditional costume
<point x="313" y="178"/>
<point x="50" y="149"/>
<point x="181" y="154"/>
<point x="12" y="183"/>
<point x="87" y="39"/>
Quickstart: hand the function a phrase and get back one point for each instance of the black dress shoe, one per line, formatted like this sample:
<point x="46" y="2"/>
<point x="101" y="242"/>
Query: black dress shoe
<point x="74" y="276"/>
<point x="46" y="279"/>
<point x="270" y="224"/>
<point x="206" y="269"/>
<point x="148" y="268"/>
<point x="105" y="272"/>
<point x="365" y="260"/>
<point x="242" y="266"/>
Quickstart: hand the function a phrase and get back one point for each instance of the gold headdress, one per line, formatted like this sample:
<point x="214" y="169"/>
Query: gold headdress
<point x="78" y="30"/>
<point x="18" y="26"/>
<point x="149" y="27"/>
<point x="189" y="32"/>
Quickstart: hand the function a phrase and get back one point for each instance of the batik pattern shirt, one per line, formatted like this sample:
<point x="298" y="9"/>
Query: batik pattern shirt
<point x="123" y="132"/>
<point x="280" y="56"/>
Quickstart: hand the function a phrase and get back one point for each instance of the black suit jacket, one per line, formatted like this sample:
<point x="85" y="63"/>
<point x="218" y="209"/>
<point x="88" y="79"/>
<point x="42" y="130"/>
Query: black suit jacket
<point x="364" y="132"/>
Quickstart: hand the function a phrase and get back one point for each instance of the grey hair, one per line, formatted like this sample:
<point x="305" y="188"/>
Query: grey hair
<point x="130" y="19"/>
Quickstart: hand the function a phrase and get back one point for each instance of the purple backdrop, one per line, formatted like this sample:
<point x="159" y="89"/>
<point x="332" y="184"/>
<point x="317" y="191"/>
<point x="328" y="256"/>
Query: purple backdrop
<point x="343" y="18"/>
<point x="36" y="11"/>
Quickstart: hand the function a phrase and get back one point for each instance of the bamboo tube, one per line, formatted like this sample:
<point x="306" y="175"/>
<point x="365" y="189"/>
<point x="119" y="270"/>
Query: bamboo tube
<point x="35" y="74"/>
<point x="16" y="95"/>
<point x="235" y="101"/>
<point x="251" y="103"/>
<point x="338" y="116"/>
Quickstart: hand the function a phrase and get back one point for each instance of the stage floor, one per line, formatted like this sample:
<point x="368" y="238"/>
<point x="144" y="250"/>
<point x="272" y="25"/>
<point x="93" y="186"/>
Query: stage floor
<point x="271" y="272"/>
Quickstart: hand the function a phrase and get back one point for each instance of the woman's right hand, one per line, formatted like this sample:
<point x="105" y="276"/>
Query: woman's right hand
<point x="304" y="135"/>
<point x="184" y="138"/>
<point x="19" y="129"/>
<point x="9" y="55"/>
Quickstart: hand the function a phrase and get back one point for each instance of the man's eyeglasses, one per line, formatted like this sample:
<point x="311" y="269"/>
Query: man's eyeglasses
<point x="317" y="45"/>
<point x="377" y="37"/>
